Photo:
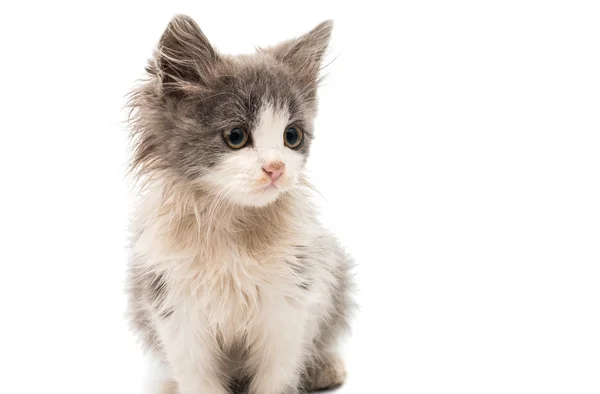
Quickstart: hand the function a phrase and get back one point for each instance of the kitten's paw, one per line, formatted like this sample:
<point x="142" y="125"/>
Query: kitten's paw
<point x="328" y="376"/>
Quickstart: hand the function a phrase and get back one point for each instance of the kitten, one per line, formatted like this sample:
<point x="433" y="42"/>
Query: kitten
<point x="234" y="285"/>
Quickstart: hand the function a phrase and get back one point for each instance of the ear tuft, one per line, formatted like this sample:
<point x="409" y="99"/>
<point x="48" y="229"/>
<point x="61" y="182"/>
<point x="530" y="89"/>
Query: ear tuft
<point x="184" y="56"/>
<point x="305" y="53"/>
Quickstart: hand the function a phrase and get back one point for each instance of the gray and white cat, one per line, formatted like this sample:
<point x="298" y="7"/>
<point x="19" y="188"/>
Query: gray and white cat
<point x="234" y="285"/>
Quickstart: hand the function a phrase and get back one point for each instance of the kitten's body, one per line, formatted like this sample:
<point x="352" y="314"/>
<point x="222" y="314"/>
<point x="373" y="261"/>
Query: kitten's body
<point x="232" y="296"/>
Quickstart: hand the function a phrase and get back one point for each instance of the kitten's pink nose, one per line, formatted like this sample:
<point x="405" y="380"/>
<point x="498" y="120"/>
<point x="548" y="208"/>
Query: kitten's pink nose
<point x="274" y="169"/>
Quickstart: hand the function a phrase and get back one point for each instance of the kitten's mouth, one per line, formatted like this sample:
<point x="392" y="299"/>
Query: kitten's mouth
<point x="269" y="186"/>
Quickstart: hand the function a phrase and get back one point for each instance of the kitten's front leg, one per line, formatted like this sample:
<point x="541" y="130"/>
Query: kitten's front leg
<point x="192" y="354"/>
<point x="277" y="352"/>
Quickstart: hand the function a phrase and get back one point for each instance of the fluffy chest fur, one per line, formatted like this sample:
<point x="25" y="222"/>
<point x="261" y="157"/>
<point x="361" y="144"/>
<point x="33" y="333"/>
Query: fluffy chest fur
<point x="233" y="291"/>
<point x="222" y="270"/>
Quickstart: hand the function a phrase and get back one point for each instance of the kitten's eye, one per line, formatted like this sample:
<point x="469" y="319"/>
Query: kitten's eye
<point x="293" y="137"/>
<point x="236" y="138"/>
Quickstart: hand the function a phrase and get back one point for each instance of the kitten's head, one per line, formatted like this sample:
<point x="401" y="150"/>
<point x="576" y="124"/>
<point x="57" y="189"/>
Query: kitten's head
<point x="238" y="127"/>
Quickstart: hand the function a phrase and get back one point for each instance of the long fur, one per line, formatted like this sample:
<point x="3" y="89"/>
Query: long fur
<point x="228" y="293"/>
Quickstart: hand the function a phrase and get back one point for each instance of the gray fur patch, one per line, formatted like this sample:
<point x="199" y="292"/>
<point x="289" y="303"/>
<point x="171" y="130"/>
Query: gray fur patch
<point x="195" y="94"/>
<point x="157" y="285"/>
<point x="301" y="271"/>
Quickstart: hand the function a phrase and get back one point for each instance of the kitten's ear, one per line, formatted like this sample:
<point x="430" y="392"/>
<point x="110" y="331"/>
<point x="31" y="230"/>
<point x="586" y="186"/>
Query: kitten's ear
<point x="185" y="56"/>
<point x="305" y="53"/>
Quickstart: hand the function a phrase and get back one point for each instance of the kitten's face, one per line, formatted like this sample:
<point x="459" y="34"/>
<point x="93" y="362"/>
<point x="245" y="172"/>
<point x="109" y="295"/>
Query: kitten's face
<point x="238" y="128"/>
<point x="262" y="158"/>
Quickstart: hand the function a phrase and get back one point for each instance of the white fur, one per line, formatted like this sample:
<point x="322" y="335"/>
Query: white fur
<point x="223" y="295"/>
<point x="240" y="178"/>
<point x="158" y="375"/>
<point x="221" y="291"/>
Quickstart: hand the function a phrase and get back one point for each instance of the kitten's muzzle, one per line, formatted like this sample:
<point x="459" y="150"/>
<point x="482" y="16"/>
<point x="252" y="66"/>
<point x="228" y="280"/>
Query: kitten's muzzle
<point x="274" y="169"/>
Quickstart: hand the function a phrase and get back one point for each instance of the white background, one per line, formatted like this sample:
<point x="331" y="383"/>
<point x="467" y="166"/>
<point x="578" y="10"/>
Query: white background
<point x="458" y="151"/>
